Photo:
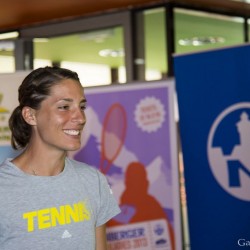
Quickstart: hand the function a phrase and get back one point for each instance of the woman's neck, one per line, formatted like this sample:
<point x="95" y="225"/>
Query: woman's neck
<point x="40" y="163"/>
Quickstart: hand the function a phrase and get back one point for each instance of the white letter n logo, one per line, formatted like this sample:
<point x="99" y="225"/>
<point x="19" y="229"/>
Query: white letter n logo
<point x="234" y="167"/>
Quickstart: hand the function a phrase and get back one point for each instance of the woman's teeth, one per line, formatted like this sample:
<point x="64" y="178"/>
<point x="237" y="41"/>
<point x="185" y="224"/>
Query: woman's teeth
<point x="72" y="132"/>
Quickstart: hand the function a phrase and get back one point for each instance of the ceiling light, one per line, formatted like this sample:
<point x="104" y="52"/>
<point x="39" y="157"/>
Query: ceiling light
<point x="111" y="53"/>
<point x="98" y="36"/>
<point x="9" y="35"/>
<point x="139" y="61"/>
<point x="198" y="41"/>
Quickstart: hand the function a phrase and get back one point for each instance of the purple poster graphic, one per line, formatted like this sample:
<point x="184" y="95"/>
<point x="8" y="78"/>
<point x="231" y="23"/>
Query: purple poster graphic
<point x="130" y="136"/>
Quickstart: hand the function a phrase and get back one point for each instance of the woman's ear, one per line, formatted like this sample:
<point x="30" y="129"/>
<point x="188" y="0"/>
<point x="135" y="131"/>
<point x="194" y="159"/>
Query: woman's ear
<point x="29" y="115"/>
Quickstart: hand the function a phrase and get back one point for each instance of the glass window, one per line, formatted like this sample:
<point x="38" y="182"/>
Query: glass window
<point x="97" y="55"/>
<point x="155" y="44"/>
<point x="248" y="24"/>
<point x="7" y="61"/>
<point x="196" y="31"/>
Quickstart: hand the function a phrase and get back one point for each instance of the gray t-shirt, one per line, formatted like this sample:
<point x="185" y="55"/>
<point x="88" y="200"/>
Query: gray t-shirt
<point x="56" y="212"/>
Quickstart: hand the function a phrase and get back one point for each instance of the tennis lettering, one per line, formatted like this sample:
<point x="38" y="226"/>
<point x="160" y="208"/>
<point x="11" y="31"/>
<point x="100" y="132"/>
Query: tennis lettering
<point x="51" y="217"/>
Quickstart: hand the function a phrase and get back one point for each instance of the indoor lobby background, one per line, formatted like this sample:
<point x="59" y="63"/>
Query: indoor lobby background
<point x="124" y="42"/>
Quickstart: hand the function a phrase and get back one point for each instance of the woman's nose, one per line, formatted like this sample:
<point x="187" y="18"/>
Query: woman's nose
<point x="79" y="116"/>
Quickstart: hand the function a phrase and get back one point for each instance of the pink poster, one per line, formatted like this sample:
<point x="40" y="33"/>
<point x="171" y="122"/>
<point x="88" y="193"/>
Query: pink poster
<point x="130" y="136"/>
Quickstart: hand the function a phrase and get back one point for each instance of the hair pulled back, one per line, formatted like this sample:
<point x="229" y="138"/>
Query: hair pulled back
<point x="33" y="90"/>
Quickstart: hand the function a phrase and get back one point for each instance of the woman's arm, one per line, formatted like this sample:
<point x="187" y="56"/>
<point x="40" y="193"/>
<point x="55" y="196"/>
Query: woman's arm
<point x="101" y="238"/>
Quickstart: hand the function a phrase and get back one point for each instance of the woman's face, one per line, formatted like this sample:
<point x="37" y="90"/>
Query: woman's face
<point x="61" y="118"/>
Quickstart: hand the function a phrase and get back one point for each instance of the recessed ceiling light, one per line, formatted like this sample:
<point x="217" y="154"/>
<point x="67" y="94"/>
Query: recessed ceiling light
<point x="111" y="53"/>
<point x="198" y="41"/>
<point x="97" y="36"/>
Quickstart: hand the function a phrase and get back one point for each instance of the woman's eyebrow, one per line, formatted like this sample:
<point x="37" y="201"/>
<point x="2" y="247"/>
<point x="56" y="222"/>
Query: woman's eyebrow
<point x="84" y="100"/>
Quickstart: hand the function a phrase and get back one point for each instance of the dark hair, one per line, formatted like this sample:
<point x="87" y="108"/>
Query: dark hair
<point x="34" y="89"/>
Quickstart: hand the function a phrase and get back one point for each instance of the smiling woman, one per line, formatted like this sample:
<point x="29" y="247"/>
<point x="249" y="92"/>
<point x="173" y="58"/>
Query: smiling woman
<point x="68" y="200"/>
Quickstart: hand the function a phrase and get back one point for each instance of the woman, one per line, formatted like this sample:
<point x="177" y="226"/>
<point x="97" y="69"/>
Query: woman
<point x="49" y="201"/>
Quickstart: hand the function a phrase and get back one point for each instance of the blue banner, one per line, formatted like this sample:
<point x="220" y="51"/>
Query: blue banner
<point x="213" y="90"/>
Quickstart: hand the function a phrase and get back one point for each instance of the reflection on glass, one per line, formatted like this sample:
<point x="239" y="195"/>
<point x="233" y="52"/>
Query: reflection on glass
<point x="7" y="62"/>
<point x="41" y="63"/>
<point x="90" y="74"/>
<point x="84" y="53"/>
<point x="196" y="31"/>
<point x="155" y="44"/>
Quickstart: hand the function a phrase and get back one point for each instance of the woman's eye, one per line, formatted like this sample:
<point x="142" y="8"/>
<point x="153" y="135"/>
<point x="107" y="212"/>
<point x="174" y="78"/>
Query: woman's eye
<point x="83" y="107"/>
<point x="65" y="107"/>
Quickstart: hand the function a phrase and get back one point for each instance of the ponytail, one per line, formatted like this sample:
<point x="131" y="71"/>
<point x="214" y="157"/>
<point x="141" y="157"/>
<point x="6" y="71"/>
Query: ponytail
<point x="20" y="130"/>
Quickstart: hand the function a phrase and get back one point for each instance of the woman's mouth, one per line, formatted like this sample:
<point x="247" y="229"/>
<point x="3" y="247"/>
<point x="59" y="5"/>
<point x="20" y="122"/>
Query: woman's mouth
<point x="72" y="132"/>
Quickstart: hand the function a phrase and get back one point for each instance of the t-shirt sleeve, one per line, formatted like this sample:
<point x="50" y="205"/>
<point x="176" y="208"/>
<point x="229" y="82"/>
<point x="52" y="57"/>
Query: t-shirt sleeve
<point x="108" y="207"/>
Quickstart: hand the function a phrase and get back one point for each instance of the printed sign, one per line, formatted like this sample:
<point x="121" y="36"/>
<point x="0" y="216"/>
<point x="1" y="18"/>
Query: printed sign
<point x="145" y="236"/>
<point x="214" y="110"/>
<point x="231" y="160"/>
<point x="130" y="136"/>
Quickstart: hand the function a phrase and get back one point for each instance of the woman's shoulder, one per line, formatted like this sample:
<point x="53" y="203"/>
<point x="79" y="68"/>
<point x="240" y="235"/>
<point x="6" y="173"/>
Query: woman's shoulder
<point x="6" y="166"/>
<point x="90" y="175"/>
<point x="83" y="168"/>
